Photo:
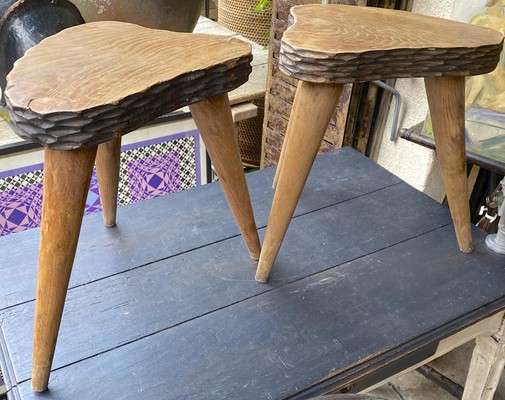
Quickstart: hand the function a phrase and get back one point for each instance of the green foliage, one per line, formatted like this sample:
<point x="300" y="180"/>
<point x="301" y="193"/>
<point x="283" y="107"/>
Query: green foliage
<point x="263" y="5"/>
<point x="4" y="114"/>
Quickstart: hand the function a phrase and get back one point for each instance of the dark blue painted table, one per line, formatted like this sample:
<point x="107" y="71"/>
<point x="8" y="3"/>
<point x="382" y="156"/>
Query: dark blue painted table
<point x="368" y="283"/>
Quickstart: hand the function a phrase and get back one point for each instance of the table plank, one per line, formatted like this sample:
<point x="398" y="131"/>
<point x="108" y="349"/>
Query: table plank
<point x="302" y="335"/>
<point x="194" y="218"/>
<point x="138" y="303"/>
<point x="369" y="272"/>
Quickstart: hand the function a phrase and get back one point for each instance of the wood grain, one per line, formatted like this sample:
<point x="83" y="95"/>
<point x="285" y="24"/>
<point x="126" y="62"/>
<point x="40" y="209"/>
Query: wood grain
<point x="281" y="91"/>
<point x="336" y="44"/>
<point x="313" y="107"/>
<point x="354" y="44"/>
<point x="214" y="121"/>
<point x="67" y="175"/>
<point x="61" y="99"/>
<point x="211" y="353"/>
<point x="486" y="366"/>
<point x="446" y="99"/>
<point x="107" y="162"/>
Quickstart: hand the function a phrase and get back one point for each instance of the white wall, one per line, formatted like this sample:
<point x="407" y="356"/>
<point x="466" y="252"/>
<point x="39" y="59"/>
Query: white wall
<point x="413" y="163"/>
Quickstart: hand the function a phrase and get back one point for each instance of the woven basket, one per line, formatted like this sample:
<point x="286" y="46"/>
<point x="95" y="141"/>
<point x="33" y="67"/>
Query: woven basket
<point x="240" y="16"/>
<point x="250" y="136"/>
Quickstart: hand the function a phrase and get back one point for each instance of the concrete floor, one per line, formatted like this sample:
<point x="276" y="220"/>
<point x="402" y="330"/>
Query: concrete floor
<point x="414" y="386"/>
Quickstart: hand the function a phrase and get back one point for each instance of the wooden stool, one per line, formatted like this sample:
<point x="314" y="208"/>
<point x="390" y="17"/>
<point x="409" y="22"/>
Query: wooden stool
<point x="330" y="45"/>
<point x="77" y="93"/>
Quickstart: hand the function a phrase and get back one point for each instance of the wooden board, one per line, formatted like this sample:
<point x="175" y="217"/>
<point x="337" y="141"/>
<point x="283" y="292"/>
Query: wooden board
<point x="370" y="272"/>
<point x="201" y="217"/>
<point x="368" y="48"/>
<point x="280" y="92"/>
<point x="68" y="103"/>
<point x="357" y="99"/>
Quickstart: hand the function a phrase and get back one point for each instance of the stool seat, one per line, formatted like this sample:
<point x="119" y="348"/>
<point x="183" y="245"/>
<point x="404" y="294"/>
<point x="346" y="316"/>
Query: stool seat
<point x="77" y="93"/>
<point x="342" y="44"/>
<point x="121" y="83"/>
<point x="327" y="46"/>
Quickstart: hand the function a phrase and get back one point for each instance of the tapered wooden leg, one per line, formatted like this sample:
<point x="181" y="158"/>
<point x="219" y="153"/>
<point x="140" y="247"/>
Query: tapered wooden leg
<point x="67" y="175"/>
<point x="312" y="109"/>
<point x="446" y="98"/>
<point x="281" y="158"/>
<point x="214" y="121"/>
<point x="107" y="169"/>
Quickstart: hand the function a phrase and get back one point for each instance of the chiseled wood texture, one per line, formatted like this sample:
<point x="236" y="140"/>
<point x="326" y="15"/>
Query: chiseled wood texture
<point x="338" y="44"/>
<point x="353" y="44"/>
<point x="188" y="323"/>
<point x="60" y="99"/>
<point x="280" y="93"/>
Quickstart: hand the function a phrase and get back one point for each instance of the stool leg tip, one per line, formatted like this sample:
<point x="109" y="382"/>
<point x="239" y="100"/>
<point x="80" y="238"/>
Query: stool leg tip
<point x="38" y="389"/>
<point x="253" y="245"/>
<point x="466" y="249"/>
<point x="261" y="277"/>
<point x="40" y="379"/>
<point x="264" y="268"/>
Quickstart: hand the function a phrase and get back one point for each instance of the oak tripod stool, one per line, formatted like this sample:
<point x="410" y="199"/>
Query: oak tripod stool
<point x="327" y="46"/>
<point x="77" y="93"/>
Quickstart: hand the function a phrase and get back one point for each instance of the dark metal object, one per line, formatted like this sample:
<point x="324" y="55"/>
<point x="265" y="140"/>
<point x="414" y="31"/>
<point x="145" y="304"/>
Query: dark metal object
<point x="26" y="22"/>
<point x="444" y="382"/>
<point x="174" y="15"/>
<point x="207" y="8"/>
<point x="398" y="100"/>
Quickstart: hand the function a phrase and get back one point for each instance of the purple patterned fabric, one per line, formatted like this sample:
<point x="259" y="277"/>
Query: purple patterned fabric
<point x="93" y="203"/>
<point x="149" y="169"/>
<point x="154" y="176"/>
<point x="20" y="209"/>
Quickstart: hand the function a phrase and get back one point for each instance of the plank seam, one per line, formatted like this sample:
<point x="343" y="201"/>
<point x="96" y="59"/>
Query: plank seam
<point x="295" y="280"/>
<point x="7" y="367"/>
<point x="208" y="244"/>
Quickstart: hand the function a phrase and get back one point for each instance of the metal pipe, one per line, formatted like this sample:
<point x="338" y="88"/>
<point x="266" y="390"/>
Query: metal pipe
<point x="441" y="380"/>
<point x="414" y="135"/>
<point x="398" y="99"/>
<point x="207" y="8"/>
